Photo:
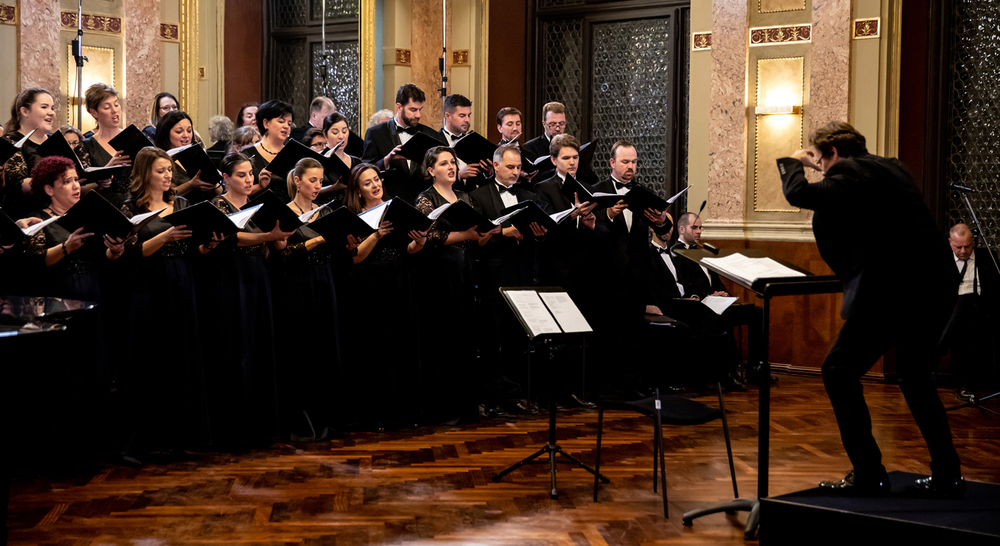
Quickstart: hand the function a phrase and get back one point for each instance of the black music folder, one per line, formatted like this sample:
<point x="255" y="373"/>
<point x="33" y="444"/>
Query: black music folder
<point x="473" y="148"/>
<point x="8" y="148"/>
<point x="294" y="151"/>
<point x="130" y="141"/>
<point x="587" y="154"/>
<point x="585" y="194"/>
<point x="416" y="148"/>
<point x="96" y="215"/>
<point x="273" y="211"/>
<point x="56" y="145"/>
<point x="461" y="216"/>
<point x="530" y="212"/>
<point x="404" y="217"/>
<point x="336" y="226"/>
<point x="204" y="219"/>
<point x="11" y="234"/>
<point x="195" y="160"/>
<point x="639" y="199"/>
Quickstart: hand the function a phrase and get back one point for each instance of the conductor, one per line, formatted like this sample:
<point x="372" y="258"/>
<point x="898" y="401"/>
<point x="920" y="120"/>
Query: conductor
<point x="917" y="260"/>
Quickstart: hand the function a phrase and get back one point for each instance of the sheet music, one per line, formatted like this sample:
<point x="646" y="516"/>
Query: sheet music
<point x="373" y="216"/>
<point x="174" y="151"/>
<point x="30" y="231"/>
<point x="434" y="214"/>
<point x="533" y="312"/>
<point x="560" y="216"/>
<point x="752" y="269"/>
<point x="718" y="303"/>
<point x="680" y="193"/>
<point x="566" y="312"/>
<point x="305" y="216"/>
<point x="139" y="218"/>
<point x="21" y="142"/>
<point x="242" y="217"/>
<point x="507" y="216"/>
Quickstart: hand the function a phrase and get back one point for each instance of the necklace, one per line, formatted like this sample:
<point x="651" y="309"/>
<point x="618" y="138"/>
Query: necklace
<point x="311" y="206"/>
<point x="262" y="147"/>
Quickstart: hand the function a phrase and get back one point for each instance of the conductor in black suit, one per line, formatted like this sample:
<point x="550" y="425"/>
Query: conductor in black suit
<point x="504" y="261"/>
<point x="403" y="178"/>
<point x="973" y="322"/>
<point x="915" y="260"/>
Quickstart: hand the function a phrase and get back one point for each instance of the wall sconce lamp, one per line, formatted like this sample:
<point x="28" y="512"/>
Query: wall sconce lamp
<point x="777" y="110"/>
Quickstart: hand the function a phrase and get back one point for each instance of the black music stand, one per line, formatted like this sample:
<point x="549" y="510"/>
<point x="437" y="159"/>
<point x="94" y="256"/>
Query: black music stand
<point x="766" y="288"/>
<point x="548" y="334"/>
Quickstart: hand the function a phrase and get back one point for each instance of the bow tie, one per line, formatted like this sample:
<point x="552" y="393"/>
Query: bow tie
<point x="454" y="136"/>
<point x="504" y="142"/>
<point x="627" y="185"/>
<point x="407" y="130"/>
<point x="664" y="250"/>
<point x="503" y="189"/>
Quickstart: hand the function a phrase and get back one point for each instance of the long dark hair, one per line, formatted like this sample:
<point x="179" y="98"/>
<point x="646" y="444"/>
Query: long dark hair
<point x="154" y="116"/>
<point x="167" y="122"/>
<point x="24" y="100"/>
<point x="431" y="157"/>
<point x="239" y="115"/>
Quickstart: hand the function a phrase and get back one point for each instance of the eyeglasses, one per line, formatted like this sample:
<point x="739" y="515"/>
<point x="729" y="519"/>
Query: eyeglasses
<point x="555" y="124"/>
<point x="318" y="145"/>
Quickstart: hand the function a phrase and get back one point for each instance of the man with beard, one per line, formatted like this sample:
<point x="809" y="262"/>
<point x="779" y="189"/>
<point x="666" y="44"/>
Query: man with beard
<point x="403" y="178"/>
<point x="457" y="121"/>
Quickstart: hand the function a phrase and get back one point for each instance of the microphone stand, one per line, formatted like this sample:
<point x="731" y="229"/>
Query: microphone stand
<point x="976" y="402"/>
<point x="78" y="56"/>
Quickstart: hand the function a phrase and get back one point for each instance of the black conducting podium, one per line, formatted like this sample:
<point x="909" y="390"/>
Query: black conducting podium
<point x="552" y="322"/>
<point x="743" y="272"/>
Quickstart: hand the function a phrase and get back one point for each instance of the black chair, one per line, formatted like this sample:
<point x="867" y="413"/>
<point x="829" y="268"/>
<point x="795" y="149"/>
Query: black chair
<point x="667" y="410"/>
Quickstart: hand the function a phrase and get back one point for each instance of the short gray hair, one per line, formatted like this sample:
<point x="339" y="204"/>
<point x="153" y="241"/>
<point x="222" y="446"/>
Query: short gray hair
<point x="502" y="151"/>
<point x="220" y="128"/>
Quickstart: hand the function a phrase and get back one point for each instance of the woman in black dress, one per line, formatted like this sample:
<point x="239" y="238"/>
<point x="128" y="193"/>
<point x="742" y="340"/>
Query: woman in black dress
<point x="307" y="312"/>
<point x="175" y="130"/>
<point x="382" y="375"/>
<point x="274" y="122"/>
<point x="102" y="104"/>
<point x="446" y="296"/>
<point x="165" y="379"/>
<point x="68" y="263"/>
<point x="33" y="110"/>
<point x="237" y="314"/>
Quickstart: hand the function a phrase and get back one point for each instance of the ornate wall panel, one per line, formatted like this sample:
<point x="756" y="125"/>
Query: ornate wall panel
<point x="290" y="76"/>
<point x="630" y="90"/>
<point x="340" y="83"/>
<point x="974" y="114"/>
<point x="336" y="9"/>
<point x="289" y="13"/>
<point x="562" y="68"/>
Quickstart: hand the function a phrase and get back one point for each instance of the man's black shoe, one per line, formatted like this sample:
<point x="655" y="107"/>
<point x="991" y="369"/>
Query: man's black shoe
<point x="495" y="412"/>
<point x="948" y="488"/>
<point x="733" y="383"/>
<point x="850" y="485"/>
<point x="579" y="402"/>
<point x="525" y="409"/>
<point x="965" y="394"/>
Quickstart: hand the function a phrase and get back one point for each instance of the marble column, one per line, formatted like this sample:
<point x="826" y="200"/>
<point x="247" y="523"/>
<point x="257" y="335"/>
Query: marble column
<point x="142" y="59"/>
<point x="425" y="50"/>
<point x="39" y="52"/>
<point x="727" y="121"/>
<point x="829" y="82"/>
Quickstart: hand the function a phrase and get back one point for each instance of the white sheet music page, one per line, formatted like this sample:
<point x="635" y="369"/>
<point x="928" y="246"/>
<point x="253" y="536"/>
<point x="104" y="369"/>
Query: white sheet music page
<point x="718" y="303"/>
<point x="567" y="314"/>
<point x="752" y="268"/>
<point x="533" y="312"/>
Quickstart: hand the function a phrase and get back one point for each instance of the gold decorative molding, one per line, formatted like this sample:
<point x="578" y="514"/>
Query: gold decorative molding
<point x="867" y="28"/>
<point x="188" y="85"/>
<point x="701" y="41"/>
<point x="8" y="14"/>
<point x="100" y="68"/>
<point x="893" y="62"/>
<point x="780" y="82"/>
<point x="402" y="57"/>
<point x="776" y="6"/>
<point x="758" y="231"/>
<point x="99" y="24"/>
<point x="460" y="57"/>
<point x="169" y="32"/>
<point x="785" y="34"/>
<point x="367" y="76"/>
<point x="482" y="121"/>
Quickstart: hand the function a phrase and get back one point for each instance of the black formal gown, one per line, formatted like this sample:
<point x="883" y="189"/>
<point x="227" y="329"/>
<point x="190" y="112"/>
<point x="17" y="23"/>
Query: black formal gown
<point x="118" y="192"/>
<point x="308" y="353"/>
<point x="74" y="276"/>
<point x="235" y="297"/>
<point x="164" y="378"/>
<point x="16" y="203"/>
<point x="445" y="302"/>
<point x="381" y="324"/>
<point x="279" y="186"/>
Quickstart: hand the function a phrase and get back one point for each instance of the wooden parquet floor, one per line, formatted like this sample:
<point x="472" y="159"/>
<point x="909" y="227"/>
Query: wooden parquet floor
<point x="432" y="485"/>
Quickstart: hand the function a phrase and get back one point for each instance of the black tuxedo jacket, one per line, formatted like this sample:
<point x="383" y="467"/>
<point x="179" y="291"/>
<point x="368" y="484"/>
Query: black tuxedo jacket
<point x="298" y="133"/>
<point x="566" y="255"/>
<point x="694" y="278"/>
<point x="622" y="244"/>
<point x="664" y="294"/>
<point x="913" y="257"/>
<point x="400" y="181"/>
<point x="503" y="261"/>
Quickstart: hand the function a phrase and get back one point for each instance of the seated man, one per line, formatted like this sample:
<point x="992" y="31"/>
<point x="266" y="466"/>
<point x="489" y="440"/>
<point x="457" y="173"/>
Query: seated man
<point x="970" y="328"/>
<point x="669" y="296"/>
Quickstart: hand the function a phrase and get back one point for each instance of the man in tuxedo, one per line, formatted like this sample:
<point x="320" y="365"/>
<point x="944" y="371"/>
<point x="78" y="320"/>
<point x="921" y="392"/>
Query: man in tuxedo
<point x="509" y="126"/>
<point x="402" y="178"/>
<point x="566" y="256"/>
<point x="970" y="330"/>
<point x="553" y="124"/>
<point x="916" y="263"/>
<point x="457" y="121"/>
<point x="508" y="260"/>
<point x="318" y="110"/>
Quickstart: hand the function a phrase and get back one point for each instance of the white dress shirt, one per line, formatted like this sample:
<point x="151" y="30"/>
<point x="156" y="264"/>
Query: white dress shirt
<point x="403" y="139"/>
<point x="452" y="140"/>
<point x="970" y="275"/>
<point x="508" y="199"/>
<point x="665" y="256"/>
<point x="627" y="212"/>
